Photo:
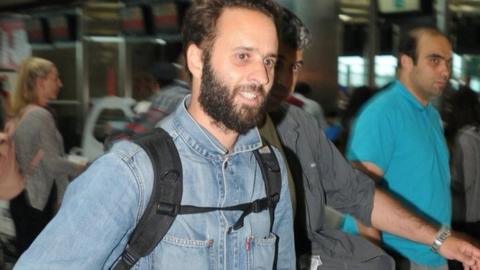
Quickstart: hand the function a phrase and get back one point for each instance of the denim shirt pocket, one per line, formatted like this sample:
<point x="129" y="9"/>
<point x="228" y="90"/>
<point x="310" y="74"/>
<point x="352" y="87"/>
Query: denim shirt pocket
<point x="261" y="252"/>
<point x="180" y="253"/>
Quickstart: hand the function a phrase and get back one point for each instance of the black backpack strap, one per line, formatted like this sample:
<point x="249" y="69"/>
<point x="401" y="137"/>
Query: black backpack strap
<point x="271" y="176"/>
<point x="270" y="169"/>
<point x="164" y="204"/>
<point x="165" y="200"/>
<point x="256" y="206"/>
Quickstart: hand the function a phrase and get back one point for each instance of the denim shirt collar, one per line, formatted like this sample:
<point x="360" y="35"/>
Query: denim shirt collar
<point x="410" y="97"/>
<point x="202" y="141"/>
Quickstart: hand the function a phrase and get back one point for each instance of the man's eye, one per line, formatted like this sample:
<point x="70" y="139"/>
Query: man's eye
<point x="296" y="67"/>
<point x="269" y="62"/>
<point x="435" y="60"/>
<point x="242" y="56"/>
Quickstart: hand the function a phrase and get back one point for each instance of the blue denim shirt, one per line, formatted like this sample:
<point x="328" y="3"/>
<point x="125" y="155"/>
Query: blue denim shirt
<point x="101" y="208"/>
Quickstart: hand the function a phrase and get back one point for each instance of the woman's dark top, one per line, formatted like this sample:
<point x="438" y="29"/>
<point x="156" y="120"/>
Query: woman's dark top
<point x="29" y="221"/>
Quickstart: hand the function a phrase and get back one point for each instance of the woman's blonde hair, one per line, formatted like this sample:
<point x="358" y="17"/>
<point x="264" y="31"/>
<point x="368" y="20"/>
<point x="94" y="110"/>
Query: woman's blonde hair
<point x="30" y="70"/>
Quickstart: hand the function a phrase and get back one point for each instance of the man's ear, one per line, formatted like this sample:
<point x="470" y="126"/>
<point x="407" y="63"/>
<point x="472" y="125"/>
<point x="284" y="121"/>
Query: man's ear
<point x="406" y="61"/>
<point x="195" y="60"/>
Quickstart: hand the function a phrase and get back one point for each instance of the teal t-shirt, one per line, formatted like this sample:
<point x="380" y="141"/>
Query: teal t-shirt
<point x="405" y="139"/>
<point x="349" y="225"/>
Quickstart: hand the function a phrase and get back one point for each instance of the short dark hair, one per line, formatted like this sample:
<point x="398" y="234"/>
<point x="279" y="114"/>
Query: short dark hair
<point x="291" y="30"/>
<point x="200" y="21"/>
<point x="303" y="88"/>
<point x="408" y="42"/>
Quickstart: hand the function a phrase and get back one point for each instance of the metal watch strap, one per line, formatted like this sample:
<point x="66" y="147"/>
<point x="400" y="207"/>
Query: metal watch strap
<point x="441" y="236"/>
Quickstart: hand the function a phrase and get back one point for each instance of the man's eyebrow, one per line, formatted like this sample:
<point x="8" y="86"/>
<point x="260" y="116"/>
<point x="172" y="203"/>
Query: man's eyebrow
<point x="251" y="49"/>
<point x="274" y="55"/>
<point x="436" y="55"/>
<point x="244" y="48"/>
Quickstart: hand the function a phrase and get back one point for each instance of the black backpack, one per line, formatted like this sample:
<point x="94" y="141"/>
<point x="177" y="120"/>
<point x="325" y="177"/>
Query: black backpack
<point x="164" y="204"/>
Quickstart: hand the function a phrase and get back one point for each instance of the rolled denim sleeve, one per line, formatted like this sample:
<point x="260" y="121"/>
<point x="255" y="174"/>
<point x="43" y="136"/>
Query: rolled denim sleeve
<point x="92" y="226"/>
<point x="283" y="224"/>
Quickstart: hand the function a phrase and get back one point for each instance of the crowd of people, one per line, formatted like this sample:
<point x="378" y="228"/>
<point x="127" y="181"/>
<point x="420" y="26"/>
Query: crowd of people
<point x="243" y="59"/>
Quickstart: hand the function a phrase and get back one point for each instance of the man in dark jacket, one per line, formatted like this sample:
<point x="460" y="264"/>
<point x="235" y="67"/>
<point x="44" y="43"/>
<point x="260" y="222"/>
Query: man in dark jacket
<point x="327" y="178"/>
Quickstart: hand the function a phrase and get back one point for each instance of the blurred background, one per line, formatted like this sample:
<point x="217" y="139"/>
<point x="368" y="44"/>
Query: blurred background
<point x="108" y="48"/>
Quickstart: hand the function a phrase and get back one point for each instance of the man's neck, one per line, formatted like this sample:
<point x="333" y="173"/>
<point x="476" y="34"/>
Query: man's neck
<point x="424" y="100"/>
<point x="225" y="136"/>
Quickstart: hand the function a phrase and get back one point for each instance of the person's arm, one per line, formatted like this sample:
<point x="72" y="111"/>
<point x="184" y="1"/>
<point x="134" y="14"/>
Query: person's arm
<point x="42" y="124"/>
<point x="98" y="213"/>
<point x="369" y="168"/>
<point x="372" y="234"/>
<point x="36" y="133"/>
<point x="389" y="215"/>
<point x="283" y="224"/>
<point x="347" y="190"/>
<point x="369" y="232"/>
<point x="11" y="181"/>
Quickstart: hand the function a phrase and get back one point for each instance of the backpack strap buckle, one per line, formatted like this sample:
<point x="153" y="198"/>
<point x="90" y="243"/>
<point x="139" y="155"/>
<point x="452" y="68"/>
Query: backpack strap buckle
<point x="169" y="209"/>
<point x="273" y="200"/>
<point x="258" y="206"/>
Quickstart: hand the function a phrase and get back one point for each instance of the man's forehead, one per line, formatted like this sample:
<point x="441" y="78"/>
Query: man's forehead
<point x="434" y="45"/>
<point x="233" y="18"/>
<point x="246" y="28"/>
<point x="286" y="53"/>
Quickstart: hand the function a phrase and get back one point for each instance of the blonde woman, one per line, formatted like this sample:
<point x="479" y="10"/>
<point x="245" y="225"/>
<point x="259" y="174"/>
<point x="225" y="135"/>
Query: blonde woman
<point x="37" y="138"/>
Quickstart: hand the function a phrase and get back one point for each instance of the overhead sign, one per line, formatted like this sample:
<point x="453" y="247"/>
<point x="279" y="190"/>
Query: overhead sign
<point x="398" y="6"/>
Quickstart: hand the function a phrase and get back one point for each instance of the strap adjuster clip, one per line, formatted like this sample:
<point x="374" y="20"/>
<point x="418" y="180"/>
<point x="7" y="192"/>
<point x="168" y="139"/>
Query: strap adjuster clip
<point x="167" y="209"/>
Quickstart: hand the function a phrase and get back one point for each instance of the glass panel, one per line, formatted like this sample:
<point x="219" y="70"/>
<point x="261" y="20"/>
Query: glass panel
<point x="102" y="63"/>
<point x="143" y="56"/>
<point x="351" y="71"/>
<point x="385" y="69"/>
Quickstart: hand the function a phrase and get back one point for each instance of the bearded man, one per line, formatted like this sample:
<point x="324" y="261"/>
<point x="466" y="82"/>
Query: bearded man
<point x="230" y="51"/>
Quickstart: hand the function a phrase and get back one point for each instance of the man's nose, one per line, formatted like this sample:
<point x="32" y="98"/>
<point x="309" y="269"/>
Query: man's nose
<point x="261" y="74"/>
<point x="445" y="70"/>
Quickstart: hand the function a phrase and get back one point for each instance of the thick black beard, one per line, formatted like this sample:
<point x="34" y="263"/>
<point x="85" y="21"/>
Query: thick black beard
<point x="218" y="102"/>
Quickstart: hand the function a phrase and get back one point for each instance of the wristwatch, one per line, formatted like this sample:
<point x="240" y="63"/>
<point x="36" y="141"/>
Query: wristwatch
<point x="441" y="236"/>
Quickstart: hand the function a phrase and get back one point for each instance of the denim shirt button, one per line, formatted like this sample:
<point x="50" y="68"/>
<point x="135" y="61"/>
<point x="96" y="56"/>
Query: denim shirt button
<point x="210" y="242"/>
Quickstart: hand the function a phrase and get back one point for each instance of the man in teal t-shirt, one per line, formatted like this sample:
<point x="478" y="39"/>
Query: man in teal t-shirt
<point x="398" y="137"/>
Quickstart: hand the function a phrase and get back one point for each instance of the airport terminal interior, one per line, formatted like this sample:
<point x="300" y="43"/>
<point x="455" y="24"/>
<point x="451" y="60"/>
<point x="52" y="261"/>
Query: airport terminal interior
<point x="108" y="48"/>
<point x="110" y="55"/>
